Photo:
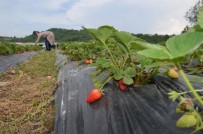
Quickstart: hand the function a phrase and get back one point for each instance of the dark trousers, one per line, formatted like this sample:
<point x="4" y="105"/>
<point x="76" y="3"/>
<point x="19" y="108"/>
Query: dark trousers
<point x="48" y="45"/>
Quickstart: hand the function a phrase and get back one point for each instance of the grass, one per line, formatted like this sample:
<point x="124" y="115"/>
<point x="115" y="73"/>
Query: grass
<point x="26" y="102"/>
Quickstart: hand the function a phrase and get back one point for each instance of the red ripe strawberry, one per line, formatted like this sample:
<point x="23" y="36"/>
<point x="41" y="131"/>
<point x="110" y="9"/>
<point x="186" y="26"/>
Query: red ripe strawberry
<point x="120" y="82"/>
<point x="87" y="61"/>
<point x="94" y="95"/>
<point x="123" y="87"/>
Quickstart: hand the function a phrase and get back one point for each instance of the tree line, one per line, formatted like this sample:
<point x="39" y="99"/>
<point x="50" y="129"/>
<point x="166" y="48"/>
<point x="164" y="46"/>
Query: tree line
<point x="66" y="35"/>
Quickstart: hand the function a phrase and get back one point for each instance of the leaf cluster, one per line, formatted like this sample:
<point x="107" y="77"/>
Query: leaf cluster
<point x="122" y="60"/>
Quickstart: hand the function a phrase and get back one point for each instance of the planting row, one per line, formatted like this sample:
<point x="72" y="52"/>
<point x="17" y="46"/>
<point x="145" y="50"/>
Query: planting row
<point x="8" y="48"/>
<point x="132" y="61"/>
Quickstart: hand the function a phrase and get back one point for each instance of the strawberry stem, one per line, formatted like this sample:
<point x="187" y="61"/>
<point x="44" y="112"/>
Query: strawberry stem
<point x="191" y="88"/>
<point x="112" y="58"/>
<point x="106" y="82"/>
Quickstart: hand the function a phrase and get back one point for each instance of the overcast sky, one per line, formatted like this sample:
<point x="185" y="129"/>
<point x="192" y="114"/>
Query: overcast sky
<point x="21" y="17"/>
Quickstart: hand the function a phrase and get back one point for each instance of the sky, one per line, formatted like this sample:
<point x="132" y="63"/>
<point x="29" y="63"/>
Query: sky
<point x="21" y="17"/>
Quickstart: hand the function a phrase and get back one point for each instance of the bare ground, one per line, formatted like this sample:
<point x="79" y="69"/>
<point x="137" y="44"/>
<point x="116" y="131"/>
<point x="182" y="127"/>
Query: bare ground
<point x="26" y="96"/>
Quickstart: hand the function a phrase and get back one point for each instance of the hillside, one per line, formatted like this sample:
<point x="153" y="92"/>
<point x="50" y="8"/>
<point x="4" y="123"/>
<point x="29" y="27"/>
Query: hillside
<point x="62" y="35"/>
<point x="65" y="35"/>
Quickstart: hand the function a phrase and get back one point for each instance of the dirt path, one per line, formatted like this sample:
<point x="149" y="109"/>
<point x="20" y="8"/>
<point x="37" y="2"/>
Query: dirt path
<point x="26" y="96"/>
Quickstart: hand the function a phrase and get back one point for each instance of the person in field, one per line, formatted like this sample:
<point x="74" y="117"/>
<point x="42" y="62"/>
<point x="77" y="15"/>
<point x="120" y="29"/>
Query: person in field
<point x="48" y="36"/>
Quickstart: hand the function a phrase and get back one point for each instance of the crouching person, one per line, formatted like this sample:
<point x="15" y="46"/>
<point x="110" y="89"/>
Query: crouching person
<point x="48" y="36"/>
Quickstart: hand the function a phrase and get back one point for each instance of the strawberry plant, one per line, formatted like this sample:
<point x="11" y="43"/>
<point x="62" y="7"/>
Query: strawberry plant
<point x="191" y="116"/>
<point x="81" y="50"/>
<point x="19" y="49"/>
<point x="4" y="49"/>
<point x="8" y="48"/>
<point x="122" y="61"/>
<point x="177" y="50"/>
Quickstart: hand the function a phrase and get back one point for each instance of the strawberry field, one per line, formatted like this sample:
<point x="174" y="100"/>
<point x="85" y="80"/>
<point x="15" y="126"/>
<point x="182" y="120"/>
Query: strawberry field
<point x="119" y="83"/>
<point x="131" y="85"/>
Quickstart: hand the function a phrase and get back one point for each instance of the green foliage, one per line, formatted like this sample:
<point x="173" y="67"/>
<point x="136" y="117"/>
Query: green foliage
<point x="196" y="57"/>
<point x="4" y="49"/>
<point x="184" y="44"/>
<point x="192" y="13"/>
<point x="8" y="48"/>
<point x="176" y="47"/>
<point x="68" y="35"/>
<point x="41" y="67"/>
<point x="189" y="42"/>
<point x="200" y="18"/>
<point x="103" y="63"/>
<point x="153" y="38"/>
<point x="122" y="59"/>
<point x="191" y="117"/>
<point x="82" y="50"/>
<point x="102" y="33"/>
<point x="127" y="75"/>
<point x="61" y="35"/>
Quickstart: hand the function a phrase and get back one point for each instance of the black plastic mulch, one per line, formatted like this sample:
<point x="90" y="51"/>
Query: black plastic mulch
<point x="8" y="61"/>
<point x="143" y="110"/>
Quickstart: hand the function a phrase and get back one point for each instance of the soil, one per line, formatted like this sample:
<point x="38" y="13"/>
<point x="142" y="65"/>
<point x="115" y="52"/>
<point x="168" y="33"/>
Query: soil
<point x="26" y="101"/>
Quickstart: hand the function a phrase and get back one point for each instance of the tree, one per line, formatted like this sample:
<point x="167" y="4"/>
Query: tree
<point x="185" y="29"/>
<point x="191" y="14"/>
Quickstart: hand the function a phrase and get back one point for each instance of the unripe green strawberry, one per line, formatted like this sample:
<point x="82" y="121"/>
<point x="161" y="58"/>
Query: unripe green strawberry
<point x="173" y="74"/>
<point x="186" y="121"/>
<point x="91" y="61"/>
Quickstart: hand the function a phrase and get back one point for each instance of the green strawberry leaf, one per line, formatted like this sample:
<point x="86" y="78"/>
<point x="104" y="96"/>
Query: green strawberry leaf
<point x="107" y="64"/>
<point x="102" y="33"/>
<point x="130" y="71"/>
<point x="141" y="45"/>
<point x="154" y="65"/>
<point x="118" y="74"/>
<point x="200" y="17"/>
<point x="101" y="61"/>
<point x="157" y="54"/>
<point x="144" y="61"/>
<point x="184" y="44"/>
<point x="127" y="80"/>
<point x="123" y="37"/>
<point x="122" y="47"/>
